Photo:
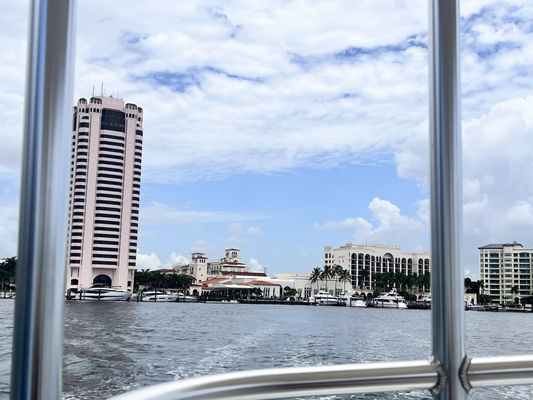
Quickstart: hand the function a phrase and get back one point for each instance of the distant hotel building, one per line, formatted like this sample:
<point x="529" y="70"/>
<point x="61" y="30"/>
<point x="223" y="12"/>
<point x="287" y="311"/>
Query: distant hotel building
<point x="364" y="262"/>
<point x="104" y="193"/>
<point x="225" y="275"/>
<point x="503" y="267"/>
<point x="230" y="265"/>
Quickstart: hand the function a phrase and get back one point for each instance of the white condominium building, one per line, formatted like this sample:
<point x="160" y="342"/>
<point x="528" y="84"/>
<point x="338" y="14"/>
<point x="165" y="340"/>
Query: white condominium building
<point x="105" y="186"/>
<point x="364" y="262"/>
<point x="506" y="271"/>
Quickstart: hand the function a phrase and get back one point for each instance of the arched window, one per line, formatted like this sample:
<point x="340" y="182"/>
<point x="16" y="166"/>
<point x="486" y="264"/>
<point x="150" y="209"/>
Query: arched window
<point x="102" y="280"/>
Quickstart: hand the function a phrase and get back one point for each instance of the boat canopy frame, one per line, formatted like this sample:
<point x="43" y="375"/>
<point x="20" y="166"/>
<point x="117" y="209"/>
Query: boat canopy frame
<point x="38" y="328"/>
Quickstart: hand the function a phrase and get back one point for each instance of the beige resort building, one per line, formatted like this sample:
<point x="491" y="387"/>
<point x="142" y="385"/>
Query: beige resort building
<point x="226" y="274"/>
<point x="364" y="262"/>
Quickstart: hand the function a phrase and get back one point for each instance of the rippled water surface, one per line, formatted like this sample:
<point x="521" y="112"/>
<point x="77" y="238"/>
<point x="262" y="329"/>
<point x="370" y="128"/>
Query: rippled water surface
<point x="113" y="347"/>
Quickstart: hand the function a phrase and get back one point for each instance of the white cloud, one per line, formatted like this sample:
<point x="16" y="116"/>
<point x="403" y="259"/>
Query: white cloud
<point x="239" y="124"/>
<point x="8" y="230"/>
<point x="157" y="212"/>
<point x="270" y="87"/>
<point x="348" y="223"/>
<point x="200" y="245"/>
<point x="254" y="231"/>
<point x="248" y="87"/>
<point x="174" y="259"/>
<point x="13" y="20"/>
<point x="387" y="225"/>
<point x="497" y="175"/>
<point x="152" y="261"/>
<point x="238" y="233"/>
<point x="255" y="265"/>
<point x="148" y="261"/>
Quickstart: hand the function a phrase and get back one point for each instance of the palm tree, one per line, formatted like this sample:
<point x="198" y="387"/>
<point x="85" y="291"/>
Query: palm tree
<point x="337" y="271"/>
<point x="256" y="292"/>
<point x="410" y="280"/>
<point x="327" y="272"/>
<point x="7" y="271"/>
<point x="344" y="277"/>
<point x="316" y="275"/>
<point x="514" y="290"/>
<point x="364" y="277"/>
<point x="379" y="281"/>
<point x="426" y="281"/>
<point x="468" y="285"/>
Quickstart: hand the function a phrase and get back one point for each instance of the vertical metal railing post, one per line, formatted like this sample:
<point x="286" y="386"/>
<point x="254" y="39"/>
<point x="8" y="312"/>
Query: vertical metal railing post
<point x="447" y="278"/>
<point x="38" y="333"/>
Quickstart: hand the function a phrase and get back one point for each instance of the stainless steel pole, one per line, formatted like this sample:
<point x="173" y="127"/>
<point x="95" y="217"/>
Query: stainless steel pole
<point x="38" y="333"/>
<point x="447" y="278"/>
<point x="493" y="371"/>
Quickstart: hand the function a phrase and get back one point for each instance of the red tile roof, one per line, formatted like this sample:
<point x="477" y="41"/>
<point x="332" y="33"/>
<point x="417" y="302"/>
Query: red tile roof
<point x="261" y="283"/>
<point x="243" y="273"/>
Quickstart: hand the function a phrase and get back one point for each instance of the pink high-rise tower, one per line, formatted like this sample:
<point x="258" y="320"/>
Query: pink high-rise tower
<point x="105" y="186"/>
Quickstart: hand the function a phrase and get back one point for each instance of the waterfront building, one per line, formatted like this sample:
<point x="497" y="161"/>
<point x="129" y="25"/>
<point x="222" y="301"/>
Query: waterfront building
<point x="105" y="183"/>
<point x="364" y="262"/>
<point x="201" y="269"/>
<point x="244" y="285"/>
<point x="220" y="276"/>
<point x="506" y="271"/>
<point x="300" y="282"/>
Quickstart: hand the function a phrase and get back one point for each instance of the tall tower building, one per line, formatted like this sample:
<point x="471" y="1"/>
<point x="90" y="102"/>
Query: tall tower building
<point x="105" y="189"/>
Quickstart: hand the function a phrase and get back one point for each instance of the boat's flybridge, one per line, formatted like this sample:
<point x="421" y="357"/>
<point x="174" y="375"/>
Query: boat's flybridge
<point x="38" y="338"/>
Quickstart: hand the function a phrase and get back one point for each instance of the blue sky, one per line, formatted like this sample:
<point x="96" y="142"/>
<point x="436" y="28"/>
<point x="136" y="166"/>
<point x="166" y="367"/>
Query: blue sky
<point x="283" y="126"/>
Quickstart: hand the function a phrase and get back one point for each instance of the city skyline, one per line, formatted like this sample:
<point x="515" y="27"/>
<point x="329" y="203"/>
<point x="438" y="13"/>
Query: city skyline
<point x="285" y="127"/>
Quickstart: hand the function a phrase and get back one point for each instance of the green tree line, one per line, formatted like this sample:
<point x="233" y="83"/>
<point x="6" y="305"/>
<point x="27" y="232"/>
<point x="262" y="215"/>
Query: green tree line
<point x="158" y="280"/>
<point x="8" y="267"/>
<point x="330" y="273"/>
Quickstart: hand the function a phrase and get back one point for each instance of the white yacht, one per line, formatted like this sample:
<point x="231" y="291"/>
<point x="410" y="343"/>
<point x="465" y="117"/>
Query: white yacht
<point x="100" y="293"/>
<point x="183" y="298"/>
<point x="324" y="298"/>
<point x="426" y="298"/>
<point x="159" y="296"/>
<point x="389" y="300"/>
<point x="356" y="301"/>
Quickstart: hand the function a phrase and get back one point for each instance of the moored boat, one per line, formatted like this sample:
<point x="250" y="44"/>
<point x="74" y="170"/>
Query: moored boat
<point x="183" y="298"/>
<point x="101" y="293"/>
<point x="159" y="296"/>
<point x="324" y="298"/>
<point x="389" y="300"/>
<point x="356" y="301"/>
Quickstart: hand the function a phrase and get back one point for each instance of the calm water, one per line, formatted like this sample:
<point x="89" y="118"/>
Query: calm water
<point x="114" y="347"/>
